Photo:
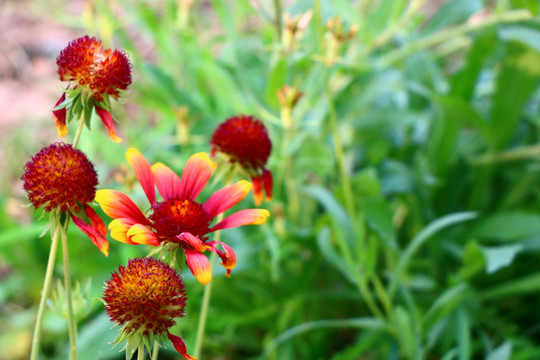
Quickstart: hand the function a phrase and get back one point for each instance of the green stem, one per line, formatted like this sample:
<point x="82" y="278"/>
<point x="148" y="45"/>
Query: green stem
<point x="72" y="326"/>
<point x="206" y="299"/>
<point x="338" y="148"/>
<point x="140" y="351"/>
<point x="279" y="21"/>
<point x="46" y="288"/>
<point x="79" y="132"/>
<point x="451" y="33"/>
<point x="155" y="352"/>
<point x="516" y="154"/>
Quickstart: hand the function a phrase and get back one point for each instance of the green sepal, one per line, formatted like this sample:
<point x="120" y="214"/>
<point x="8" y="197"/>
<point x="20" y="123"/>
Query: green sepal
<point x="132" y="344"/>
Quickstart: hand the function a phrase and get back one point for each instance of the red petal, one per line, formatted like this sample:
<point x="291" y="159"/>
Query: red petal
<point x="267" y="183"/>
<point x="199" y="266"/>
<point x="228" y="257"/>
<point x="194" y="242"/>
<point x="168" y="183"/>
<point x="223" y="199"/>
<point x="257" y="189"/>
<point x="180" y="346"/>
<point x="107" y="120"/>
<point x="94" y="234"/>
<point x="96" y="220"/>
<point x="196" y="173"/>
<point x="143" y="172"/>
<point x="60" y="117"/>
<point x="243" y="217"/>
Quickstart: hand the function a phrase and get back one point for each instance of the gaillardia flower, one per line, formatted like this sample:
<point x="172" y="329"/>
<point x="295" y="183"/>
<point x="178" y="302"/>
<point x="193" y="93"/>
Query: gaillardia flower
<point x="144" y="298"/>
<point x="245" y="140"/>
<point x="94" y="74"/>
<point x="62" y="178"/>
<point x="179" y="218"/>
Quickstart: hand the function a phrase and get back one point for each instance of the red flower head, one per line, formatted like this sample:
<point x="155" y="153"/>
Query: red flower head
<point x="94" y="74"/>
<point x="179" y="218"/>
<point x="62" y="178"/>
<point x="245" y="140"/>
<point x="145" y="298"/>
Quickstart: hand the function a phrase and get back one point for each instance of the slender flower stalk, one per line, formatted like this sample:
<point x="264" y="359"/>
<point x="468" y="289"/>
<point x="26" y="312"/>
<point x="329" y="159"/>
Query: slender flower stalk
<point x="46" y="288"/>
<point x="62" y="181"/>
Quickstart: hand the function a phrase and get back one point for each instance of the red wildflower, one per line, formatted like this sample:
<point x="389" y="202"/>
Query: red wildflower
<point x="178" y="218"/>
<point x="145" y="298"/>
<point x="62" y="178"/>
<point x="245" y="140"/>
<point x="95" y="72"/>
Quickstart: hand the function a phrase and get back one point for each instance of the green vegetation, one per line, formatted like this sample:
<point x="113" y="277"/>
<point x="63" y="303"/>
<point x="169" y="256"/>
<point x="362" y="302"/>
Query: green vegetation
<point x="405" y="222"/>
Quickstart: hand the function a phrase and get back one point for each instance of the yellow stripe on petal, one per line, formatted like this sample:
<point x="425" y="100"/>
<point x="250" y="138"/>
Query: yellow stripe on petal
<point x="199" y="266"/>
<point x="140" y="234"/>
<point x="243" y="217"/>
<point x="118" y="205"/>
<point x="119" y="229"/>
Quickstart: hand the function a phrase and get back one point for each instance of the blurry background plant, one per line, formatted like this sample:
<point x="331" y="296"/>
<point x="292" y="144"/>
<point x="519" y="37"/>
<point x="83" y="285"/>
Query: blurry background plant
<point x="406" y="208"/>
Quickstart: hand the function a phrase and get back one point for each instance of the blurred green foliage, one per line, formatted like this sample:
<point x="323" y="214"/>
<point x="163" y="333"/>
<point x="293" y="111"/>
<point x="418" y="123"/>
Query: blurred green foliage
<point x="406" y="217"/>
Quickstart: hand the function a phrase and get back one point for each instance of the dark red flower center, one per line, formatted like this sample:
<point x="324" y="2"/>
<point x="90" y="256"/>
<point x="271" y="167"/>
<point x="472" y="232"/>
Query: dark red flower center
<point x="175" y="216"/>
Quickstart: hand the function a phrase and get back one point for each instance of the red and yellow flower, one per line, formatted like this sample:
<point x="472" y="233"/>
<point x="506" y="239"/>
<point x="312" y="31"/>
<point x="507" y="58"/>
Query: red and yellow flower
<point x="62" y="178"/>
<point x="144" y="298"/>
<point x="94" y="74"/>
<point x="245" y="140"/>
<point x="178" y="218"/>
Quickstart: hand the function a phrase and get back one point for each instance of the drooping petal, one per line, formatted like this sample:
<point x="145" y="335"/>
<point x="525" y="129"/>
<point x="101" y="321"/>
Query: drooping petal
<point x="119" y="228"/>
<point x="268" y="183"/>
<point x="143" y="172"/>
<point x="223" y="199"/>
<point x="180" y="346"/>
<point x="94" y="234"/>
<point x="199" y="266"/>
<point x="118" y="205"/>
<point x="257" y="189"/>
<point x="60" y="117"/>
<point x="228" y="257"/>
<point x="196" y="173"/>
<point x="96" y="220"/>
<point x="194" y="241"/>
<point x="141" y="234"/>
<point x="168" y="183"/>
<point x="107" y="120"/>
<point x="243" y="217"/>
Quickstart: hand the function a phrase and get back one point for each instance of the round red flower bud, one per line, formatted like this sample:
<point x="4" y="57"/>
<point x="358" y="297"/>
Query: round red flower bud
<point x="60" y="177"/>
<point x="245" y="140"/>
<point x="145" y="296"/>
<point x="102" y="71"/>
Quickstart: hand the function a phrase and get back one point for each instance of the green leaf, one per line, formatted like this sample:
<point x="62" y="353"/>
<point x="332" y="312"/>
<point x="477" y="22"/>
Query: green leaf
<point x="424" y="235"/>
<point x="502" y="352"/>
<point x="404" y="328"/>
<point x="525" y="35"/>
<point x="276" y="79"/>
<point x="379" y="219"/>
<point x="445" y="303"/>
<point x="508" y="226"/>
<point x="473" y="260"/>
<point x="499" y="257"/>
<point x="523" y="285"/>
<point x="518" y="78"/>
